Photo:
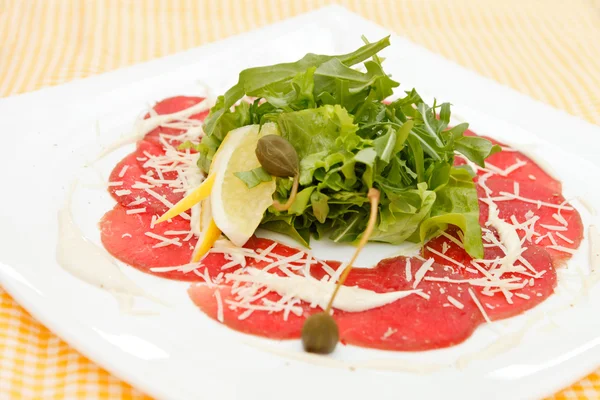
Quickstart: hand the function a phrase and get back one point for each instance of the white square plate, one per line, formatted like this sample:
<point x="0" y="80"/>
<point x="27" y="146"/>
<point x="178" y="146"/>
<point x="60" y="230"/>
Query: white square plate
<point x="179" y="353"/>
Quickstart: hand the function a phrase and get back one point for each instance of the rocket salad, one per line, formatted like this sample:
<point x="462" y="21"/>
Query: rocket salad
<point x="348" y="139"/>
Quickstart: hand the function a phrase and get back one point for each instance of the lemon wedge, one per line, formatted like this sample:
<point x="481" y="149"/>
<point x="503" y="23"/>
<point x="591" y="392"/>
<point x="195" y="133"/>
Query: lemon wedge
<point x="236" y="209"/>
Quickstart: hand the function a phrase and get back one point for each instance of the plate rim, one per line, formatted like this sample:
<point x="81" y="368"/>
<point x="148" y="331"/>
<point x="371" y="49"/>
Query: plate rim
<point x="8" y="274"/>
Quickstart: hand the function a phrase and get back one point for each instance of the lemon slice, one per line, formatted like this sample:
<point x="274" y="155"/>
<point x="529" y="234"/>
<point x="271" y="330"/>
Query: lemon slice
<point x="199" y="194"/>
<point x="236" y="209"/>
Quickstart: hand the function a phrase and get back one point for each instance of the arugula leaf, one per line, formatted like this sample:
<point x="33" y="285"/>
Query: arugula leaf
<point x="348" y="230"/>
<point x="254" y="177"/>
<point x="476" y="149"/>
<point x="286" y="227"/>
<point x="257" y="81"/>
<point x="402" y="135"/>
<point x="386" y="145"/>
<point x="320" y="208"/>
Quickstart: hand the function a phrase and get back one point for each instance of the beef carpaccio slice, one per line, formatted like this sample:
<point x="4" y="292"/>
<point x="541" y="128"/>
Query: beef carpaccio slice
<point x="145" y="184"/>
<point x="514" y="165"/>
<point x="134" y="168"/>
<point x="413" y="323"/>
<point x="172" y="105"/>
<point x="410" y="324"/>
<point x="124" y="236"/>
<point x="536" y="285"/>
<point x="557" y="227"/>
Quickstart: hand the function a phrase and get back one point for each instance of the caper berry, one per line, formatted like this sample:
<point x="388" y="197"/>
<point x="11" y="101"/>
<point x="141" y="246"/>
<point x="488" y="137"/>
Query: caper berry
<point x="277" y="156"/>
<point x="320" y="334"/>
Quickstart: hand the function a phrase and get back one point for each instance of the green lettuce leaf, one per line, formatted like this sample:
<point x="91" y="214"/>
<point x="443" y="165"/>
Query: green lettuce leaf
<point x="287" y="228"/>
<point x="402" y="216"/>
<point x="325" y="129"/>
<point x="457" y="205"/>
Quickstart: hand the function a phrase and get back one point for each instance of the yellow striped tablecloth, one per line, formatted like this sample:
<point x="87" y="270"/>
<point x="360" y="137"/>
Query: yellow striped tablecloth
<point x="547" y="49"/>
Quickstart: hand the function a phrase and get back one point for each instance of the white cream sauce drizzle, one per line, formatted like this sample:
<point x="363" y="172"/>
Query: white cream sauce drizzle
<point x="542" y="163"/>
<point x="144" y="126"/>
<point x="505" y="343"/>
<point x="90" y="263"/>
<point x="594" y="255"/>
<point x="351" y="299"/>
<point x="588" y="206"/>
<point x="508" y="236"/>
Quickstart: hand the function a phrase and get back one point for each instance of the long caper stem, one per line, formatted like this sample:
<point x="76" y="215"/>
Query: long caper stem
<point x="374" y="199"/>
<point x="284" y="207"/>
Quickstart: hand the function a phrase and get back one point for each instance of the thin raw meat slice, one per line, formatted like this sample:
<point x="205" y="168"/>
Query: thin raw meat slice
<point x="136" y="185"/>
<point x="558" y="228"/>
<point x="410" y="324"/>
<point x="260" y="323"/>
<point x="169" y="106"/>
<point x="124" y="236"/>
<point x="447" y="318"/>
<point x="536" y="285"/>
<point x="216" y="303"/>
<point x="514" y="165"/>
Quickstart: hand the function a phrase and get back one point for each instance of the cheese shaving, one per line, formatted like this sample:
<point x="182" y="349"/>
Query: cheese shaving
<point x="423" y="269"/>
<point x="135" y="210"/>
<point x="123" y="170"/>
<point x="217" y="295"/>
<point x="478" y="304"/>
<point x="455" y="303"/>
<point x="408" y="270"/>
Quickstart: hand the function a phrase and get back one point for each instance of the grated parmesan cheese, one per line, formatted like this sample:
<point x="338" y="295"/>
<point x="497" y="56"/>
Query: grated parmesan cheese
<point x="135" y="211"/>
<point x="123" y="192"/>
<point x="423" y="269"/>
<point x="455" y="303"/>
<point x="478" y="304"/>
<point x="408" y="270"/>
<point x="217" y="295"/>
<point x="123" y="170"/>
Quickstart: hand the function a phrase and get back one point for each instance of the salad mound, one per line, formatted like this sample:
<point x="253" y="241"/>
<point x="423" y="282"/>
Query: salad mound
<point x="348" y="139"/>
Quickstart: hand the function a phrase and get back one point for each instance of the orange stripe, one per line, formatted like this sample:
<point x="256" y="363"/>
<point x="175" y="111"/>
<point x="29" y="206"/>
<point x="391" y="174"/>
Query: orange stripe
<point x="18" y="53"/>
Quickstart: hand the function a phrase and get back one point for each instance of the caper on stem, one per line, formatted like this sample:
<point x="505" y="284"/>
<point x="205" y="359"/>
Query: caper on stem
<point x="320" y="333"/>
<point x="279" y="158"/>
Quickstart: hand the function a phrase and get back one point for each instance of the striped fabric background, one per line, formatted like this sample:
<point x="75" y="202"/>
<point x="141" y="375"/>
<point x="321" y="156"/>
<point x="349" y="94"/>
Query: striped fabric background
<point x="547" y="49"/>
